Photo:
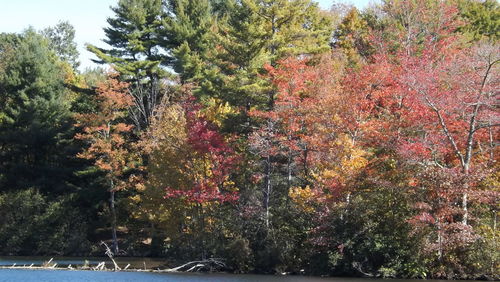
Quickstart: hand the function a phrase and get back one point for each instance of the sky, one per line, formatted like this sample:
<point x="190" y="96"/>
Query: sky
<point x="87" y="16"/>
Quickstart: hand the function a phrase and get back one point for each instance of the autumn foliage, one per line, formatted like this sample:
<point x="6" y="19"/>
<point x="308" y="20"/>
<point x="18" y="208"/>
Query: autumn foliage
<point x="106" y="132"/>
<point x="209" y="161"/>
<point x="378" y="157"/>
<point x="271" y="135"/>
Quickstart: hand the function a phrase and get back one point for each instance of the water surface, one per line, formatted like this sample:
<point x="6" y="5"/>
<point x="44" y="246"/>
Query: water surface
<point x="109" y="276"/>
<point x="8" y="275"/>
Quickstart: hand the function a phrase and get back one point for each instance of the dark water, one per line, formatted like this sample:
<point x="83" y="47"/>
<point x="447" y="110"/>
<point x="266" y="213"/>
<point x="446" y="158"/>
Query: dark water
<point x="80" y="276"/>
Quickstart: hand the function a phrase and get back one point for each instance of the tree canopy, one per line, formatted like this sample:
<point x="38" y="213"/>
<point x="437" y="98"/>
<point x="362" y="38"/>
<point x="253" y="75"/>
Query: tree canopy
<point x="274" y="135"/>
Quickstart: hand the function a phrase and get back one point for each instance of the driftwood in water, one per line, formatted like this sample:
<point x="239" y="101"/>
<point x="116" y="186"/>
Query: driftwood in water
<point x="210" y="264"/>
<point x="47" y="263"/>
<point x="100" y="266"/>
<point x="109" y="253"/>
<point x="356" y="265"/>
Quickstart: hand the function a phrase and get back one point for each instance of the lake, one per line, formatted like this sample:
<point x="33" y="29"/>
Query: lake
<point x="109" y="276"/>
<point x="70" y="275"/>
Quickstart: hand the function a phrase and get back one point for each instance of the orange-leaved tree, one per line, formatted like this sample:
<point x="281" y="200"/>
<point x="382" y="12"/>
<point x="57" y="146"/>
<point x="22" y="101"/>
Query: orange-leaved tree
<point x="107" y="132"/>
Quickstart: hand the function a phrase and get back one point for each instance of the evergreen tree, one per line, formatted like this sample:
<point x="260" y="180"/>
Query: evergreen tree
<point x="351" y="37"/>
<point x="135" y="36"/>
<point x="259" y="32"/>
<point x="187" y="30"/>
<point x="36" y="125"/>
<point x="482" y="17"/>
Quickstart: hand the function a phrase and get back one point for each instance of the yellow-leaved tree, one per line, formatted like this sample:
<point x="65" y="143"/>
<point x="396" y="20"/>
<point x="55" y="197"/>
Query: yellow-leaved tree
<point x="189" y="171"/>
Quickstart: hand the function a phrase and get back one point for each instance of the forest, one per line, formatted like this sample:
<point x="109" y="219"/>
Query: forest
<point x="270" y="134"/>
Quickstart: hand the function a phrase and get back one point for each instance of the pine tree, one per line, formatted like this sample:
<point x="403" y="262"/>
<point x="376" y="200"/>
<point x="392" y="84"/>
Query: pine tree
<point x="134" y="35"/>
<point x="482" y="17"/>
<point x="259" y="32"/>
<point x="351" y="37"/>
<point x="186" y="29"/>
<point x="35" y="123"/>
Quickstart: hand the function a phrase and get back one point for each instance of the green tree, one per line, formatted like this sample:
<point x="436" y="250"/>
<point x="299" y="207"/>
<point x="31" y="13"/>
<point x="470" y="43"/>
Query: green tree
<point x="134" y="35"/>
<point x="36" y="121"/>
<point x="61" y="40"/>
<point x="258" y="32"/>
<point x="45" y="209"/>
<point x="187" y="30"/>
<point x="482" y="19"/>
<point x="34" y="224"/>
<point x="351" y="37"/>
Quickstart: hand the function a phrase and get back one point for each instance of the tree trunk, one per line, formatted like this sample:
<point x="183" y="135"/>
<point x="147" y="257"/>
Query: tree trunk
<point x="267" y="192"/>
<point x="464" y="207"/>
<point x="495" y="241"/>
<point x="289" y="169"/>
<point x="201" y="219"/>
<point x="465" y="196"/>
<point x="440" y="242"/>
<point x="114" y="247"/>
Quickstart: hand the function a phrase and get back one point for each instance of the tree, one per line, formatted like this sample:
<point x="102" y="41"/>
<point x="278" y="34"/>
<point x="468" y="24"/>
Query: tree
<point x="134" y="35"/>
<point x="281" y="136"/>
<point x="436" y="96"/>
<point x="482" y="19"/>
<point x="445" y="239"/>
<point x="303" y="145"/>
<point x="187" y="29"/>
<point x="33" y="223"/>
<point x="61" y="40"/>
<point x="109" y="148"/>
<point x="189" y="175"/>
<point x="259" y="32"/>
<point x="35" y="126"/>
<point x="352" y="37"/>
<point x="322" y="127"/>
<point x="409" y="23"/>
<point x="454" y="98"/>
<point x="207" y="156"/>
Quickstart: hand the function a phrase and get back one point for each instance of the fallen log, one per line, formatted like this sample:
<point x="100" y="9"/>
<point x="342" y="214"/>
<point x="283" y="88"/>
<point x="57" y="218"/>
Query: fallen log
<point x="210" y="264"/>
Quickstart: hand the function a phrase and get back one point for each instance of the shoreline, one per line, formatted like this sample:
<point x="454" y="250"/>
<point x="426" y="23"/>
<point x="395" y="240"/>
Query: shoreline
<point x="70" y="268"/>
<point x="174" y="271"/>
